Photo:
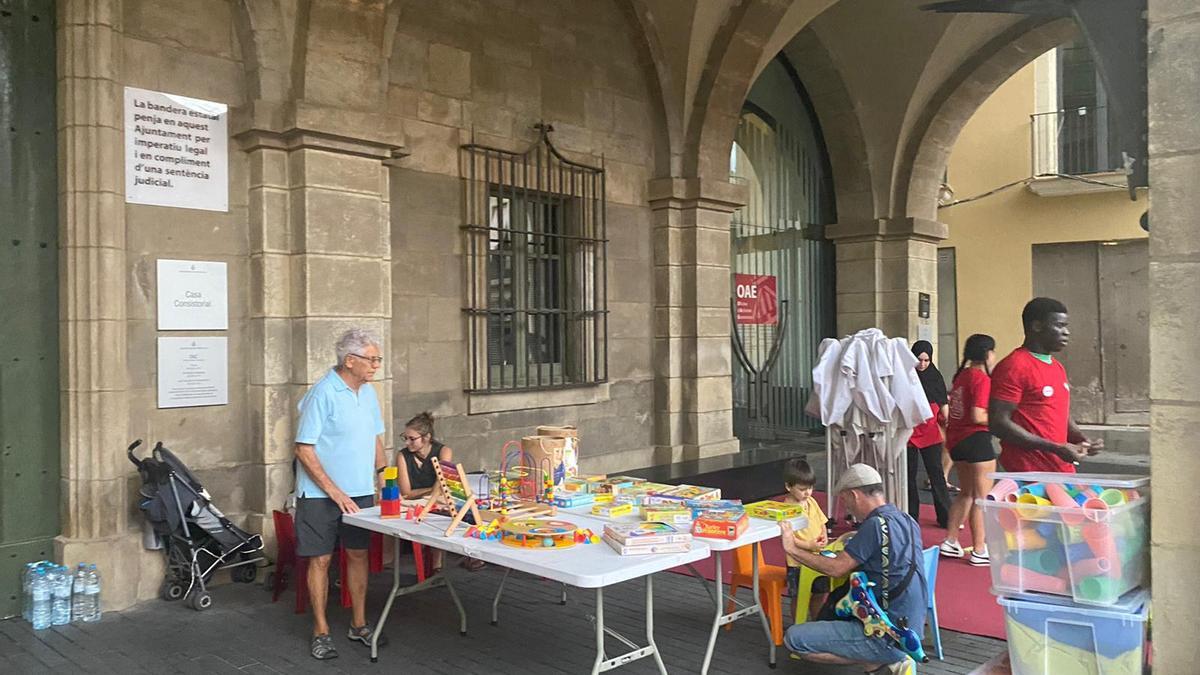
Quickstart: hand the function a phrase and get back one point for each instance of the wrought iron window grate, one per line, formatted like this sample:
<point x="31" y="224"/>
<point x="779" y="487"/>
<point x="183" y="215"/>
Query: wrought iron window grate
<point x="536" y="292"/>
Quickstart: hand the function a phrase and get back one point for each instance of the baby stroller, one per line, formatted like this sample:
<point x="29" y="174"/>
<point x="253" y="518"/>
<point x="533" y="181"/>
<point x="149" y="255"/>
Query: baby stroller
<point x="197" y="537"/>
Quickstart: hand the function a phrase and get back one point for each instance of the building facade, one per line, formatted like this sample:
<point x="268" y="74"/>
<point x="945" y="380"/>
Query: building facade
<point x="347" y="204"/>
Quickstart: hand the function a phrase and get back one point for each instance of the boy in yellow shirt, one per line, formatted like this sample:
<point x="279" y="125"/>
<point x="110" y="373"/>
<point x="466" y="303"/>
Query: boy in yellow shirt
<point x="799" y="479"/>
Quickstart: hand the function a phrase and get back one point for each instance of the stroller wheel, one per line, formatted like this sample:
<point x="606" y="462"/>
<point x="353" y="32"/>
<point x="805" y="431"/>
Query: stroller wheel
<point x="171" y="590"/>
<point x="201" y="601"/>
<point x="244" y="574"/>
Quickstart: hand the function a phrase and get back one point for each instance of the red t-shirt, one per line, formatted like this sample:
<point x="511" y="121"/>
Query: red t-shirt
<point x="927" y="433"/>
<point x="1043" y="400"/>
<point x="971" y="389"/>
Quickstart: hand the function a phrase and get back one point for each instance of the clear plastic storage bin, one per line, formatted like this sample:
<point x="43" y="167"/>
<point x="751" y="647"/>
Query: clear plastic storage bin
<point x="1076" y="535"/>
<point x="1052" y="636"/>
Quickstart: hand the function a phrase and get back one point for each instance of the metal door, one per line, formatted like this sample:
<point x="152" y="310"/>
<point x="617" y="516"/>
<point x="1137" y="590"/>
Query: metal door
<point x="779" y="235"/>
<point x="29" y="447"/>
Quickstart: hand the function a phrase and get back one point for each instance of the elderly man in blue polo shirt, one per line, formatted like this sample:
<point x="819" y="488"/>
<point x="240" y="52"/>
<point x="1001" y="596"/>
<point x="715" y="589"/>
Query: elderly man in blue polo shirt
<point x="888" y="542"/>
<point x="339" y="445"/>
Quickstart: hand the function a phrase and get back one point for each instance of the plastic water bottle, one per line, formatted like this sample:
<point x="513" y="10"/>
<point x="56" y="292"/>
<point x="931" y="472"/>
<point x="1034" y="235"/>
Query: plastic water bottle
<point x="79" y="607"/>
<point x="60" y="614"/>
<point x="39" y="587"/>
<point x="91" y="589"/>
<point x="27" y="591"/>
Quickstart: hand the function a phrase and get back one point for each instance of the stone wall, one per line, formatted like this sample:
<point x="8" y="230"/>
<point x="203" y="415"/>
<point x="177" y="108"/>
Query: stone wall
<point x="459" y="74"/>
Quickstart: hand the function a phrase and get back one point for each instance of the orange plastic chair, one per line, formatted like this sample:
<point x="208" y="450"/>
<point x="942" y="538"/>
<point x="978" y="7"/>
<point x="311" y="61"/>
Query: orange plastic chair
<point x="772" y="585"/>
<point x="289" y="566"/>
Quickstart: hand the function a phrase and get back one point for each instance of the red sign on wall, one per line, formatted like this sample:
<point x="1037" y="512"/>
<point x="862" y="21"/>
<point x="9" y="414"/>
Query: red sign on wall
<point x="756" y="299"/>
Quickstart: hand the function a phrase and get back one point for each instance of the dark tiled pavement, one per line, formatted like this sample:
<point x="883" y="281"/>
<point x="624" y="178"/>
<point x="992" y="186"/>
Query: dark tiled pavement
<point x="245" y="633"/>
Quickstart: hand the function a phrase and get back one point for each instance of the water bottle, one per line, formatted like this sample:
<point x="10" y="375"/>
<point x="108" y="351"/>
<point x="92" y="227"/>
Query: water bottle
<point x="79" y="607"/>
<point x="27" y="591"/>
<point x="60" y="614"/>
<point x="91" y="588"/>
<point x="39" y="614"/>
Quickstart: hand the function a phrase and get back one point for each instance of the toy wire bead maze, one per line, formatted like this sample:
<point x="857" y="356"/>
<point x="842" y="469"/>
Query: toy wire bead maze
<point x="451" y="489"/>
<point x="513" y="500"/>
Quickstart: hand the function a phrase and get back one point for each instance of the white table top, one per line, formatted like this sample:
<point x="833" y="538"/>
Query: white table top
<point x="582" y="565"/>
<point x="759" y="529"/>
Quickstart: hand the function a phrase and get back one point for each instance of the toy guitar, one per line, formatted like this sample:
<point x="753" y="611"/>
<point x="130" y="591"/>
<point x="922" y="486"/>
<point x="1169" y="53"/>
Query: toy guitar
<point x="860" y="603"/>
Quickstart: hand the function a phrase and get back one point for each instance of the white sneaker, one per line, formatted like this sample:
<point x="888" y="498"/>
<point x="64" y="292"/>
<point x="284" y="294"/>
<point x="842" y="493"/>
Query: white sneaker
<point x="980" y="559"/>
<point x="951" y="550"/>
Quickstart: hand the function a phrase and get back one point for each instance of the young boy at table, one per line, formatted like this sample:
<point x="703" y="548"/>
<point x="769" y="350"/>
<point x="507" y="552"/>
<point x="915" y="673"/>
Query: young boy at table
<point x="799" y="479"/>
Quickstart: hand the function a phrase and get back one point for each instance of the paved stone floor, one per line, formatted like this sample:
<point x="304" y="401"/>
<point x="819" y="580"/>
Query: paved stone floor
<point x="245" y="633"/>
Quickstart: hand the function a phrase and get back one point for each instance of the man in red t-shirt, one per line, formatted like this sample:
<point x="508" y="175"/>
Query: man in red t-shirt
<point x="1030" y="405"/>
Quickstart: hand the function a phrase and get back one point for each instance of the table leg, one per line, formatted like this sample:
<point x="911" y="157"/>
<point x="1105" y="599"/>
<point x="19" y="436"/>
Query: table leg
<point x="703" y="582"/>
<point x="462" y="613"/>
<point x="718" y="599"/>
<point x="496" y="600"/>
<point x="762" y="613"/>
<point x="387" y="607"/>
<point x="563" y="600"/>
<point x="599" y="631"/>
<point x="650" y="624"/>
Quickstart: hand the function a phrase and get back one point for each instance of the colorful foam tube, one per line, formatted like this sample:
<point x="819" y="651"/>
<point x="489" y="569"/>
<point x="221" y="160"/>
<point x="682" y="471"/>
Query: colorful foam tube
<point x="1098" y="589"/>
<point x="1091" y="567"/>
<point x="1009" y="520"/>
<point x="1012" y="576"/>
<point x="1044" y="561"/>
<point x="1003" y="488"/>
<point x="1112" y="497"/>
<point x="1032" y="503"/>
<point x="1099" y="538"/>
<point x="1024" y="539"/>
<point x="1079" y="551"/>
<point x="1035" y="489"/>
<point x="1059" y="497"/>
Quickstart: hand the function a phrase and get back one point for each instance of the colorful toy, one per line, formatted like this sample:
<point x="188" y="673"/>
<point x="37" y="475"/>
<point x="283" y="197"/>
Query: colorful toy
<point x="538" y="533"/>
<point x="721" y="524"/>
<point x="646" y="533"/>
<point x="613" y="510"/>
<point x="773" y="510"/>
<point x="860" y="603"/>
<point x="452" y="491"/>
<point x="667" y="514"/>
<point x="389" y="495"/>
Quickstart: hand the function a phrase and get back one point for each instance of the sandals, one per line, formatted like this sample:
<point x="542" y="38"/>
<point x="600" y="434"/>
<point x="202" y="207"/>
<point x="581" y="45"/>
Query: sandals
<point x="322" y="647"/>
<point x="471" y="564"/>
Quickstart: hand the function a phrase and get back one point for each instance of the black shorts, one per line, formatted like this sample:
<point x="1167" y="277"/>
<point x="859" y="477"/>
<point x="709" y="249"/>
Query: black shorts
<point x="319" y="526"/>
<point x="974" y="449"/>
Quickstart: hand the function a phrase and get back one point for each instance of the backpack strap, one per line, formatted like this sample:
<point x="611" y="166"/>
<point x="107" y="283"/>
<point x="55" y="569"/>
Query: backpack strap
<point x="885" y="590"/>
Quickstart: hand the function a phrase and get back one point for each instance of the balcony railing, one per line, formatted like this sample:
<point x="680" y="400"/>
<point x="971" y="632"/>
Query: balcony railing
<point x="1074" y="142"/>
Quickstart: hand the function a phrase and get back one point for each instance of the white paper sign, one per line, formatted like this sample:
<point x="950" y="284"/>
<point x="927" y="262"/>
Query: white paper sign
<point x="193" y="371"/>
<point x="193" y="295"/>
<point x="176" y="151"/>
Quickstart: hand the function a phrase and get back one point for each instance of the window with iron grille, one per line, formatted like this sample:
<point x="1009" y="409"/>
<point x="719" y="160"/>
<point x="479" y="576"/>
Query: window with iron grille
<point x="536" y="304"/>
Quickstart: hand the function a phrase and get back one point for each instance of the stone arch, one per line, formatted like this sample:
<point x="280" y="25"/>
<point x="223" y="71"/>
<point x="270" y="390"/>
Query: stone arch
<point x="653" y="64"/>
<point x="922" y="159"/>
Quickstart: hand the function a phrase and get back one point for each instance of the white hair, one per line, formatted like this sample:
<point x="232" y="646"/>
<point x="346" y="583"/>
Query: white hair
<point x="354" y="341"/>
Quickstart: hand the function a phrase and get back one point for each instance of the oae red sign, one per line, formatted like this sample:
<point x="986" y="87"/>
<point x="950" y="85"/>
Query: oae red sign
<point x="756" y="299"/>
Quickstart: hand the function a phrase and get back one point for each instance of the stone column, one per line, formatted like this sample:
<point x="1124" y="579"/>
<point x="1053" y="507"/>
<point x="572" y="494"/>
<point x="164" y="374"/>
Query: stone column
<point x="320" y="263"/>
<point x="882" y="268"/>
<point x="95" y="508"/>
<point x="692" y="352"/>
<point x="1174" y="89"/>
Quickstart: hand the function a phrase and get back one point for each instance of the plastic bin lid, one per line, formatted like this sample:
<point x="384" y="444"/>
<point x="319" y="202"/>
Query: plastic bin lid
<point x="1132" y="602"/>
<point x="1107" y="480"/>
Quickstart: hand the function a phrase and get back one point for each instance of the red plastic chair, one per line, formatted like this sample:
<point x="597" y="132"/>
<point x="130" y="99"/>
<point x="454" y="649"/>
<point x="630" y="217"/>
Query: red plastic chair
<point x="289" y="565"/>
<point x="772" y="585"/>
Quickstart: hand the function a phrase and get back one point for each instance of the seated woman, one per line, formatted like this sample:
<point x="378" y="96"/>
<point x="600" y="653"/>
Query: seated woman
<point x="416" y="474"/>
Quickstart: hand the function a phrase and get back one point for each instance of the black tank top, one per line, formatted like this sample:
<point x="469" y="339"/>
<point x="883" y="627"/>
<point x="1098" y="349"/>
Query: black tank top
<point x="423" y="476"/>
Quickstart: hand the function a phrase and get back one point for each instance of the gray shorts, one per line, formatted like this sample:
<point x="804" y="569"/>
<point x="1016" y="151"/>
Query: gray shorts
<point x="319" y="526"/>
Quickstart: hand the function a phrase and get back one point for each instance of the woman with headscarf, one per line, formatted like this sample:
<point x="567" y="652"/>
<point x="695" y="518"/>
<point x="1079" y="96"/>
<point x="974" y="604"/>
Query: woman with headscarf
<point x="925" y="444"/>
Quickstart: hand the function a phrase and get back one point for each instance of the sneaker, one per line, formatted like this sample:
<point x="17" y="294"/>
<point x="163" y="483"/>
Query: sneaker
<point x="980" y="559"/>
<point x="951" y="550"/>
<point x="322" y="647"/>
<point x="363" y="634"/>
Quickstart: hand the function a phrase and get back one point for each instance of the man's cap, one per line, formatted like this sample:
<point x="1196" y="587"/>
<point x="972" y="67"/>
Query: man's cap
<point x="857" y="476"/>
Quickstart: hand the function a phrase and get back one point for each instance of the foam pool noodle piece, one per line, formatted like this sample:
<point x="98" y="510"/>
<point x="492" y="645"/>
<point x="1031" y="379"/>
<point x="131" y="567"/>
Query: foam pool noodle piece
<point x="1002" y="489"/>
<point x="1009" y="519"/>
<point x="1013" y="576"/>
<point x="1090" y="567"/>
<point x="1100" y="539"/>
<point x="1031" y="504"/>
<point x="1025" y="539"/>
<point x="1098" y="589"/>
<point x="1045" y="561"/>
<point x="1112" y="497"/>
<point x="1059" y="497"/>
<point x="1079" y="551"/>
<point x="1035" y="489"/>
<point x="1048" y="530"/>
<point x="1132" y="495"/>
<point x="1081" y="498"/>
<point x="1095" y="505"/>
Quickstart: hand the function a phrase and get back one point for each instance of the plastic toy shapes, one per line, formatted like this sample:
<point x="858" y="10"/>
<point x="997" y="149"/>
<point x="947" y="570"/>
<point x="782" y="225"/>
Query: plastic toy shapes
<point x="860" y="603"/>
<point x="389" y="495"/>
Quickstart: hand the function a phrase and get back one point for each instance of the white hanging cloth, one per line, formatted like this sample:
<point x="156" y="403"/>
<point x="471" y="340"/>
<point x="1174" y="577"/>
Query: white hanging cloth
<point x="867" y="394"/>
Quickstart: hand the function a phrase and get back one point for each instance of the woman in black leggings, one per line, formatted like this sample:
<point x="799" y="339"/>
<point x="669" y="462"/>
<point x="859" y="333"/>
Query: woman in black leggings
<point x="925" y="444"/>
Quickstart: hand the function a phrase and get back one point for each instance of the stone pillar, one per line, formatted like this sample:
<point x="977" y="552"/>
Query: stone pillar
<point x="320" y="258"/>
<point x="95" y="508"/>
<point x="882" y="268"/>
<point x="1174" y="89"/>
<point x="693" y="389"/>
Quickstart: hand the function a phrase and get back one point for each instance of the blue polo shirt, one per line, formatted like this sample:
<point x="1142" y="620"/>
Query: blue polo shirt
<point x="903" y="546"/>
<point x="342" y="425"/>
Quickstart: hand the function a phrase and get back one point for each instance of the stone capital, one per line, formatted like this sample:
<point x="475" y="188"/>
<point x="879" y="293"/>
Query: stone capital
<point x="883" y="229"/>
<point x="696" y="193"/>
<point x="268" y="124"/>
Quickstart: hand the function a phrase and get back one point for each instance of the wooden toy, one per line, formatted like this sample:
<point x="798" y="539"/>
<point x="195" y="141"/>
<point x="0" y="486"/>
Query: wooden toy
<point x="721" y="524"/>
<point x="389" y="495"/>
<point x="449" y="490"/>
<point x="612" y="510"/>
<point x="772" y="510"/>
<point x="538" y="533"/>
